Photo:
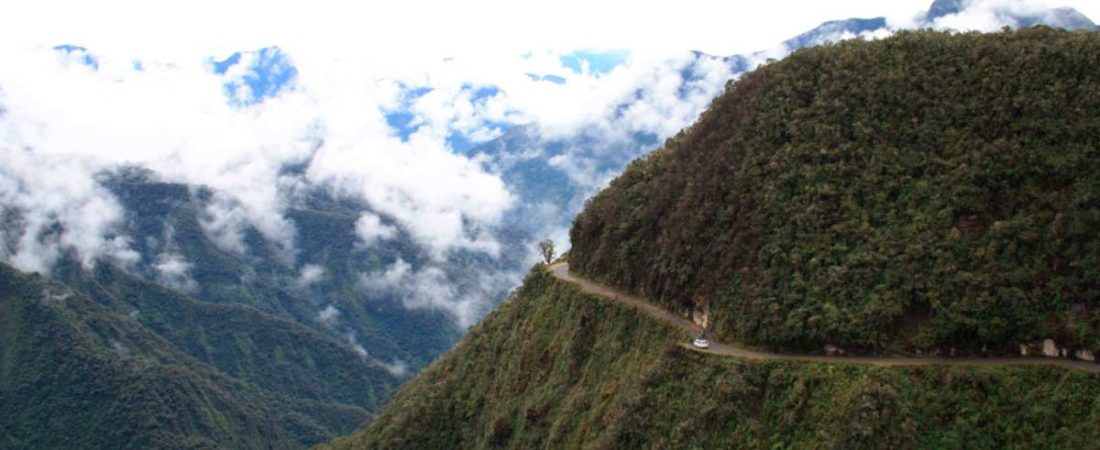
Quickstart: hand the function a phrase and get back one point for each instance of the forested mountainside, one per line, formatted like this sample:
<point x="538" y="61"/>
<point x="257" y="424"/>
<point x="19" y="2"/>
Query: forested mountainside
<point x="169" y="225"/>
<point x="554" y="368"/>
<point x="301" y="362"/>
<point x="74" y="374"/>
<point x="927" y="192"/>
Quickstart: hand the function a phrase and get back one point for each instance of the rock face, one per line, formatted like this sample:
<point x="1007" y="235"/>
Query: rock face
<point x="701" y="317"/>
<point x="1050" y="348"/>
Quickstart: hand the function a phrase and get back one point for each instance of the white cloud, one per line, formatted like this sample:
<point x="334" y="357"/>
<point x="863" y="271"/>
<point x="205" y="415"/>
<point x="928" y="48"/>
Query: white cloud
<point x="329" y="315"/>
<point x="465" y="295"/>
<point x="419" y="27"/>
<point x="310" y="274"/>
<point x="52" y="205"/>
<point x="397" y="368"/>
<point x="175" y="272"/>
<point x="392" y="278"/>
<point x="356" y="345"/>
<point x="370" y="229"/>
<point x="992" y="15"/>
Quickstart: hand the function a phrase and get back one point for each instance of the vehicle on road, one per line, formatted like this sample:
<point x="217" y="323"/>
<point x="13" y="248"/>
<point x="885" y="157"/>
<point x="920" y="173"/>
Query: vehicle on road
<point x="701" y="342"/>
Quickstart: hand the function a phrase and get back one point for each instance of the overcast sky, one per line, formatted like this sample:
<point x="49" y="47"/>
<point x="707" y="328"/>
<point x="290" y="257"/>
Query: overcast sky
<point x="142" y="28"/>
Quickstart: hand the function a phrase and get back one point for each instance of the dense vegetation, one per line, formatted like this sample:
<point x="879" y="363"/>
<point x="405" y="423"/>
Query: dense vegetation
<point x="75" y="375"/>
<point x="242" y="319"/>
<point x="925" y="191"/>
<point x="274" y="353"/>
<point x="553" y="368"/>
<point x="165" y="218"/>
<point x="243" y="357"/>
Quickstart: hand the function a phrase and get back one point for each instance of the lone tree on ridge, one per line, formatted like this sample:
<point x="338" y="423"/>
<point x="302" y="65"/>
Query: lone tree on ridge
<point x="547" y="249"/>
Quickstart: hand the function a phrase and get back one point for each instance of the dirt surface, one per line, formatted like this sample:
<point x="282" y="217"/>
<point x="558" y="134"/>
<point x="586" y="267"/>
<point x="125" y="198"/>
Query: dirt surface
<point x="561" y="271"/>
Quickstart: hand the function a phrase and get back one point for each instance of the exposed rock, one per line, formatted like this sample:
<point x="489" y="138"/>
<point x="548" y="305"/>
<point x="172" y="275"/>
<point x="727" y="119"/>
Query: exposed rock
<point x="1085" y="355"/>
<point x="700" y="317"/>
<point x="700" y="314"/>
<point x="1050" y="348"/>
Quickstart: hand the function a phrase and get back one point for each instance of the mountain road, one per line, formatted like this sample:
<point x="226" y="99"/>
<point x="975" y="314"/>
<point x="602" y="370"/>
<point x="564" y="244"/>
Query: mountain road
<point x="561" y="271"/>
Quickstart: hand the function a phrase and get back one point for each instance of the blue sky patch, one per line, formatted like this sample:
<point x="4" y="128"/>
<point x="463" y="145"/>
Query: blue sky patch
<point x="402" y="120"/>
<point x="551" y="78"/>
<point x="482" y="93"/>
<point x="459" y="143"/>
<point x="462" y="144"/>
<point x="405" y="122"/>
<point x="599" y="62"/>
<point x="84" y="57"/>
<point x="417" y="92"/>
<point x="271" y="72"/>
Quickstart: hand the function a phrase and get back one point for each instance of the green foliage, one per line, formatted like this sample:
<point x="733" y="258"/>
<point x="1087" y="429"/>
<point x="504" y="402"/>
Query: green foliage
<point x="274" y="353"/>
<point x="926" y="191"/>
<point x="168" y="213"/>
<point x="546" y="248"/>
<point x="75" y="375"/>
<point x="244" y="336"/>
<point x="553" y="368"/>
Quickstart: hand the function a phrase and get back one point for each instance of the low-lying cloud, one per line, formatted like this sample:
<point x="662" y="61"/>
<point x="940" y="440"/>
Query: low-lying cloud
<point x="462" y="293"/>
<point x="51" y="206"/>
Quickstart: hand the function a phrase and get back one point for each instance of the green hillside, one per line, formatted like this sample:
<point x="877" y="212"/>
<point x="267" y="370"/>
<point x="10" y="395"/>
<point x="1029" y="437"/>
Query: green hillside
<point x="553" y="368"/>
<point x="274" y="353"/>
<point x="75" y="375"/>
<point x="926" y="192"/>
<point x="165" y="218"/>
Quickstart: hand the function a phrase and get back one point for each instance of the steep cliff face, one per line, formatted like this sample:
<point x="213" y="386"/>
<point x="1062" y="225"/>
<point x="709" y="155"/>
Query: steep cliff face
<point x="553" y="368"/>
<point x="924" y="192"/>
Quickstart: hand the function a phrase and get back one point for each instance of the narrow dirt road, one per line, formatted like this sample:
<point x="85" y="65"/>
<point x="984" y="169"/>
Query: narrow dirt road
<point x="561" y="271"/>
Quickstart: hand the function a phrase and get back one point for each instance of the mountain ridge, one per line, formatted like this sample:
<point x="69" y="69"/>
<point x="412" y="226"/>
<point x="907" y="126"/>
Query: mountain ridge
<point x="61" y="352"/>
<point x="859" y="198"/>
<point x="555" y="368"/>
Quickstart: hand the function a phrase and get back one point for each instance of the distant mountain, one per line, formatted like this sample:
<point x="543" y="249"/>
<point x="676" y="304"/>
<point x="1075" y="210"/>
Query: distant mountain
<point x="1067" y="18"/>
<point x="166" y="222"/>
<point x="304" y="359"/>
<point x="834" y="30"/>
<point x="75" y="374"/>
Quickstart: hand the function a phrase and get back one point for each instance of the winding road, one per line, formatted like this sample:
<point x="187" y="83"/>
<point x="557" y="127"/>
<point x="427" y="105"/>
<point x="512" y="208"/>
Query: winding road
<point x="561" y="271"/>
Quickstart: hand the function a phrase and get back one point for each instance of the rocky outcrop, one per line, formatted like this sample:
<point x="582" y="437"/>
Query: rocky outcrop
<point x="1049" y="348"/>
